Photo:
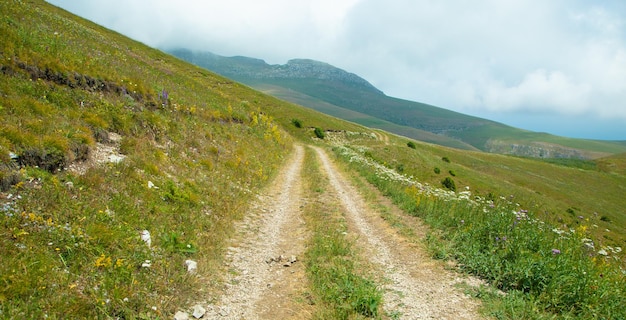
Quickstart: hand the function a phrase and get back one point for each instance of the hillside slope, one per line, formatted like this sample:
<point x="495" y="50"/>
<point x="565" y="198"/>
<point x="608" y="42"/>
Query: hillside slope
<point x="103" y="139"/>
<point x="325" y="85"/>
<point x="121" y="165"/>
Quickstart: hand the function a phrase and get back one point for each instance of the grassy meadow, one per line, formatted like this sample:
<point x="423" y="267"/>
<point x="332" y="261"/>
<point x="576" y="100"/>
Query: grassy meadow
<point x="198" y="147"/>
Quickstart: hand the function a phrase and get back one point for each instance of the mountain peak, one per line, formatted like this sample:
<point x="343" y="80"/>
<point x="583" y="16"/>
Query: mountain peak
<point x="307" y="68"/>
<point x="243" y="68"/>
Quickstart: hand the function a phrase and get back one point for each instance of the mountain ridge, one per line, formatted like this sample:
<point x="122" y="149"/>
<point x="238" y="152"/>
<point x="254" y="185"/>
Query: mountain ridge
<point x="259" y="69"/>
<point x="325" y="85"/>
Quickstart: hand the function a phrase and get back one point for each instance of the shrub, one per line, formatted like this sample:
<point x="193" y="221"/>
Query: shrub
<point x="437" y="171"/>
<point x="49" y="159"/>
<point x="452" y="173"/>
<point x="319" y="133"/>
<point x="448" y="183"/>
<point x="411" y="144"/>
<point x="445" y="159"/>
<point x="8" y="178"/>
<point x="297" y="123"/>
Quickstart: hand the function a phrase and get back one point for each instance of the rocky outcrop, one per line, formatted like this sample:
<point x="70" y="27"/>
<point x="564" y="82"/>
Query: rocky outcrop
<point x="538" y="150"/>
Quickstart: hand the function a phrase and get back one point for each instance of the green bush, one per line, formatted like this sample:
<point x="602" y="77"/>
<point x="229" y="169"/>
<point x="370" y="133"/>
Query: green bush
<point x="297" y="123"/>
<point x="411" y="144"/>
<point x="449" y="184"/>
<point x="437" y="170"/>
<point x="445" y="159"/>
<point x="319" y="133"/>
<point x="452" y="173"/>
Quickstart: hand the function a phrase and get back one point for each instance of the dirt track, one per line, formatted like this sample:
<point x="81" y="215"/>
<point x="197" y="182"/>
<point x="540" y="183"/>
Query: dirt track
<point x="258" y="287"/>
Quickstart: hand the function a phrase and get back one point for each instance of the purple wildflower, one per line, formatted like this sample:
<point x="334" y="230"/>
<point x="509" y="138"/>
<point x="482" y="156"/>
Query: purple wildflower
<point x="556" y="251"/>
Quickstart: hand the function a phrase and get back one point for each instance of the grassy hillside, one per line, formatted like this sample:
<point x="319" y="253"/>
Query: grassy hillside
<point x="103" y="138"/>
<point x="369" y="106"/>
<point x="195" y="149"/>
<point x="360" y="118"/>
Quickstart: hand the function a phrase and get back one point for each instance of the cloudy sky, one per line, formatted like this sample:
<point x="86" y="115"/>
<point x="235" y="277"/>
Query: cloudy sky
<point x="555" y="66"/>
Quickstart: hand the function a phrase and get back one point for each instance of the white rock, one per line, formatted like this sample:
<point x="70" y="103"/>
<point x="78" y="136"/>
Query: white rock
<point x="115" y="158"/>
<point x="145" y="236"/>
<point x="198" y="311"/>
<point x="146" y="264"/>
<point x="151" y="185"/>
<point x="192" y="266"/>
<point x="181" y="316"/>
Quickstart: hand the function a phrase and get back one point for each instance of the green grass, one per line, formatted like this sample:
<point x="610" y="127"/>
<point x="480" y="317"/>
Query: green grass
<point x="335" y="270"/>
<point x="546" y="270"/>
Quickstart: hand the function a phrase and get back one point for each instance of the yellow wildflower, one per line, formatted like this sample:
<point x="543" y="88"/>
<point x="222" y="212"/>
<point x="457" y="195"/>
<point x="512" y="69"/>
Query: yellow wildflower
<point x="103" y="261"/>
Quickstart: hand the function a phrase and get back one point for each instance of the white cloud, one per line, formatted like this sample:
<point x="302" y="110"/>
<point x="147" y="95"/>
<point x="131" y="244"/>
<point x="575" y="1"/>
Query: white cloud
<point x="547" y="57"/>
<point x="538" y="90"/>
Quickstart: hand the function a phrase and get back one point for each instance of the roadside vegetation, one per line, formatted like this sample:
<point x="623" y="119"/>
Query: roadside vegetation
<point x="544" y="269"/>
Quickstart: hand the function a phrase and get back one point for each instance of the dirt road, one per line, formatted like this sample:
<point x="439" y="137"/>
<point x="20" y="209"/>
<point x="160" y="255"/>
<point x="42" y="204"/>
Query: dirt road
<point x="268" y="281"/>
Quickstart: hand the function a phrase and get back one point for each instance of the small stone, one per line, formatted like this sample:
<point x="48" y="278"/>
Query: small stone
<point x="114" y="158"/>
<point x="198" y="311"/>
<point x="180" y="315"/>
<point x="192" y="266"/>
<point x="291" y="261"/>
<point x="145" y="236"/>
<point x="69" y="185"/>
<point x="146" y="264"/>
<point x="151" y="185"/>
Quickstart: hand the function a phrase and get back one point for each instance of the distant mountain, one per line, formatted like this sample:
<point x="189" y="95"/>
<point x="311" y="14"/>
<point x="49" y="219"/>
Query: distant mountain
<point x="331" y="90"/>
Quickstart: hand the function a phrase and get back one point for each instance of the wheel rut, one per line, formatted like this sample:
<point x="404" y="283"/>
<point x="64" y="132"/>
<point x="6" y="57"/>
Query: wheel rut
<point x="415" y="287"/>
<point x="265" y="276"/>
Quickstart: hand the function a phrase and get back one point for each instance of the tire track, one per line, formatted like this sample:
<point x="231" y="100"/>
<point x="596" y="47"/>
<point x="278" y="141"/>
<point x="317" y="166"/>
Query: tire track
<point x="259" y="288"/>
<point x="414" y="287"/>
